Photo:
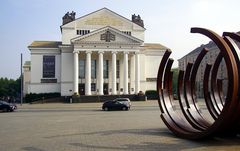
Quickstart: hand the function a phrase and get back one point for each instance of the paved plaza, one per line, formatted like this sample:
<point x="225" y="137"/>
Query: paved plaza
<point x="84" y="126"/>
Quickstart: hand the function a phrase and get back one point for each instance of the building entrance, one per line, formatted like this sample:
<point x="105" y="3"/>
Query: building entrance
<point x="81" y="89"/>
<point x="105" y="88"/>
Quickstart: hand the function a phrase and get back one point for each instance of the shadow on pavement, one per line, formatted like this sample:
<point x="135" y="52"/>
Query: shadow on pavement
<point x="32" y="149"/>
<point x="174" y="143"/>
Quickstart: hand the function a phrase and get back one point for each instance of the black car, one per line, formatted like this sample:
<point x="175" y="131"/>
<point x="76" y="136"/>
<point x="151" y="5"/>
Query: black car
<point x="117" y="104"/>
<point x="7" y="107"/>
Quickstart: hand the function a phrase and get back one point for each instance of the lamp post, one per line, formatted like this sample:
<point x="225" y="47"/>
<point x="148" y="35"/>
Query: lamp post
<point x="21" y="91"/>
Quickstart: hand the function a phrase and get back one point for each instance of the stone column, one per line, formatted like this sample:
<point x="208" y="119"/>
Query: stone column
<point x="132" y="74"/>
<point x="114" y="74"/>
<point x="125" y="73"/>
<point x="88" y="73"/>
<point x="100" y="72"/>
<point x="137" y="73"/>
<point x="75" y="72"/>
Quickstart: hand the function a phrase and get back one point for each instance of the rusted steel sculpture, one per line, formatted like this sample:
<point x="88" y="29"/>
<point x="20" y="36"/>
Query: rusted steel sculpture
<point x="225" y="111"/>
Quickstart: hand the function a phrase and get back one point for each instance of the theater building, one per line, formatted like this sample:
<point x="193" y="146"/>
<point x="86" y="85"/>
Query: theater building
<point x="101" y="53"/>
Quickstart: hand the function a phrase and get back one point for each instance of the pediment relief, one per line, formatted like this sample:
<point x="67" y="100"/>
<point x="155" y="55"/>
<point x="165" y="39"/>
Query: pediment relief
<point x="107" y="35"/>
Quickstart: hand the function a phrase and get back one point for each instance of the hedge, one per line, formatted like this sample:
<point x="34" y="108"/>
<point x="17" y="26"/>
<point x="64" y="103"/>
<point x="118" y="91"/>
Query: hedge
<point x="38" y="96"/>
<point x="151" y="94"/>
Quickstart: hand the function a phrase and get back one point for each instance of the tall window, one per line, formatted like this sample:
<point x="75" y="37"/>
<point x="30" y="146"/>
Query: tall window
<point x="82" y="69"/>
<point x="129" y="67"/>
<point x="105" y="69"/>
<point x="118" y="68"/>
<point x="93" y="86"/>
<point x="93" y="69"/>
<point x="48" y="66"/>
<point x="117" y="86"/>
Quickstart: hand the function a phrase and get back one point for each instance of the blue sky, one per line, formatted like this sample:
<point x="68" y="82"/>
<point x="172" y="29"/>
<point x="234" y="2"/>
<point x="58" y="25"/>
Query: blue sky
<point x="167" y="22"/>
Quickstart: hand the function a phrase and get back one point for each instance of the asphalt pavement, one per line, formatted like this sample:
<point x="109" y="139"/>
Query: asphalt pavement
<point x="85" y="127"/>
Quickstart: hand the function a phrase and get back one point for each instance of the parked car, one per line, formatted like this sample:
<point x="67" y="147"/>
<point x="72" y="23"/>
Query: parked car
<point x="7" y="107"/>
<point x="117" y="104"/>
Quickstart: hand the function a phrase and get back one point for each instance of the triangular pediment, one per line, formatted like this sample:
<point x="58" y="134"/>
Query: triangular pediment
<point x="108" y="35"/>
<point x="101" y="18"/>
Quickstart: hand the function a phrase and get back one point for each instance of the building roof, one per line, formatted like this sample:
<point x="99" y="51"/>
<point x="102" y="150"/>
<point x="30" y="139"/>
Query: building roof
<point x="104" y="8"/>
<point x="45" y="44"/>
<point x="154" y="46"/>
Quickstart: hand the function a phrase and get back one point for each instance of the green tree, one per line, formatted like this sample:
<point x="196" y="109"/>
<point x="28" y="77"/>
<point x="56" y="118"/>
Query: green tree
<point x="9" y="87"/>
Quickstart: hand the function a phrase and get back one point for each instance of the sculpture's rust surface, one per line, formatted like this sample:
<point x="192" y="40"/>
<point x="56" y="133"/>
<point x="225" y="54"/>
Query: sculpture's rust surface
<point x="225" y="111"/>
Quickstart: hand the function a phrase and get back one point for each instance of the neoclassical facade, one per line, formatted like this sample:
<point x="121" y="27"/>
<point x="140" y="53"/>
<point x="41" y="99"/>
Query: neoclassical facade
<point x="101" y="53"/>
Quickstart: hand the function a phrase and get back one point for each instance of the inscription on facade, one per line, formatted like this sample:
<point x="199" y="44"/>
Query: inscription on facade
<point x="104" y="20"/>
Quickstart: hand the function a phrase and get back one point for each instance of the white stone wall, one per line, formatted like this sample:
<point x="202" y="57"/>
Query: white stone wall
<point x="68" y="34"/>
<point x="139" y="34"/>
<point x="45" y="87"/>
<point x="152" y="65"/>
<point x="149" y="64"/>
<point x="150" y="86"/>
<point x="26" y="82"/>
<point x="142" y="72"/>
<point x="37" y="70"/>
<point x="67" y="74"/>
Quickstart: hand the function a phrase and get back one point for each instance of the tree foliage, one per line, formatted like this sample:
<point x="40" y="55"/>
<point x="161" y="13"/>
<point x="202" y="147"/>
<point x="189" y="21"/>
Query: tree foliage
<point x="10" y="87"/>
<point x="151" y="94"/>
<point x="35" y="97"/>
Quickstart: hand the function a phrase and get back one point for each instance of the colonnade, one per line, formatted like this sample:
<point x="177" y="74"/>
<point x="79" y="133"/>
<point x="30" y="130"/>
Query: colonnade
<point x="100" y="73"/>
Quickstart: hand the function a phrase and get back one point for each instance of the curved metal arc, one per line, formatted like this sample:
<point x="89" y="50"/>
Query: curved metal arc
<point x="160" y="77"/>
<point x="186" y="81"/>
<point x="229" y="38"/>
<point x="193" y="127"/>
<point x="225" y="49"/>
<point x="178" y="125"/>
<point x="207" y="95"/>
<point x="166" y="79"/>
<point x="193" y="120"/>
<point x="235" y="50"/>
<point x="220" y="90"/>
<point x="217" y="100"/>
<point x="168" y="102"/>
<point x="196" y="65"/>
<point x="222" y="124"/>
<point x="232" y="35"/>
<point x="162" y="67"/>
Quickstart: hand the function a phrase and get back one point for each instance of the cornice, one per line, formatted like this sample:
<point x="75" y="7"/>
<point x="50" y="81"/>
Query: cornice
<point x="105" y="43"/>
